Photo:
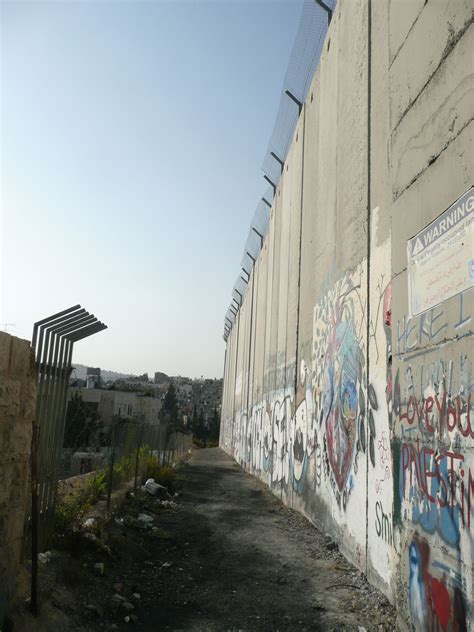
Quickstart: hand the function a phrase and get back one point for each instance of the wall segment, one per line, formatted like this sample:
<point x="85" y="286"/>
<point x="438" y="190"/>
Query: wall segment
<point x="356" y="414"/>
<point x="17" y="411"/>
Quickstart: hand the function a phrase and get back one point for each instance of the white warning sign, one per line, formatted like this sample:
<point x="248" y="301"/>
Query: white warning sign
<point x="441" y="256"/>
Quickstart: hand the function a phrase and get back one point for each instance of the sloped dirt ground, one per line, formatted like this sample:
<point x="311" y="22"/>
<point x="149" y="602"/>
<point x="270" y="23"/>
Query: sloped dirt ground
<point x="227" y="556"/>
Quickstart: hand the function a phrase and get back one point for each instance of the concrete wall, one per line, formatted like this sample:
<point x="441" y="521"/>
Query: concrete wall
<point x="17" y="410"/>
<point x="354" y="412"/>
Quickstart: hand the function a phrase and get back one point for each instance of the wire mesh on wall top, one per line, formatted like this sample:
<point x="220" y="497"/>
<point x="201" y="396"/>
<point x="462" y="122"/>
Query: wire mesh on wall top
<point x="303" y="62"/>
<point x="315" y="18"/>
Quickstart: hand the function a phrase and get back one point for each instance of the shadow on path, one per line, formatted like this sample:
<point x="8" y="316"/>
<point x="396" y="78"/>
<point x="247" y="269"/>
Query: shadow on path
<point x="240" y="560"/>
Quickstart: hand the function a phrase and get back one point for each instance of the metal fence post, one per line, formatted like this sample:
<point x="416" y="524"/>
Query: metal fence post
<point x="34" y="521"/>
<point x="111" y="467"/>
<point x="139" y="434"/>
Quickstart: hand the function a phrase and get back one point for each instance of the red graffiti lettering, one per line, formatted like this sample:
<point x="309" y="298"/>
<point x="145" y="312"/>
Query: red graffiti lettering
<point x="415" y="458"/>
<point x="405" y="461"/>
<point x="455" y="483"/>
<point x="411" y="409"/>
<point x="470" y="493"/>
<point x="442" y="482"/>
<point x="453" y="413"/>
<point x="428" y="408"/>
<point x="441" y="408"/>
<point x="428" y="452"/>
<point x="467" y="431"/>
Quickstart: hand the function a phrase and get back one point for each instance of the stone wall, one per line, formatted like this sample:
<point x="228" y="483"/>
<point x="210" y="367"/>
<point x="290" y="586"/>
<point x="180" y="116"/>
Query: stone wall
<point x="17" y="410"/>
<point x="355" y="409"/>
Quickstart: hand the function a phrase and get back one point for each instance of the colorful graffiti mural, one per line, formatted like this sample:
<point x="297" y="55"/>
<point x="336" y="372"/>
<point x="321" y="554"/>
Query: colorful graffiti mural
<point x="317" y="433"/>
<point x="434" y="406"/>
<point x="407" y="431"/>
<point x="435" y="604"/>
<point x="340" y="372"/>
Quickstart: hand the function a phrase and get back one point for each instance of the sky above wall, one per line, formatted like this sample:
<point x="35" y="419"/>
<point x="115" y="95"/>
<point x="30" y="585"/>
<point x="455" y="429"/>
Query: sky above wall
<point x="132" y="136"/>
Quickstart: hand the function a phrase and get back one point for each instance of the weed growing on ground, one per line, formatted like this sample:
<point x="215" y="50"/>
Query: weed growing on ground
<point x="68" y="517"/>
<point x="96" y="486"/>
<point x="162" y="474"/>
<point x="152" y="467"/>
<point x="71" y="511"/>
<point x="166" y="476"/>
<point x="123" y="470"/>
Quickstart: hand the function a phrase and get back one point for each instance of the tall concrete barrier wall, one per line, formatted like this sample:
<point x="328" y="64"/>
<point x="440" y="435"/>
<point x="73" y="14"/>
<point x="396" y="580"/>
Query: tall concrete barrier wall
<point x="17" y="410"/>
<point x="348" y="373"/>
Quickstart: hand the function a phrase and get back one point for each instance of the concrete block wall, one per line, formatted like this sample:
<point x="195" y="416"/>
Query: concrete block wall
<point x="353" y="412"/>
<point x="17" y="410"/>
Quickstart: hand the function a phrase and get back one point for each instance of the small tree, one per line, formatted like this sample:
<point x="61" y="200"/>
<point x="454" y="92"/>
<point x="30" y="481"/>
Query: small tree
<point x="214" y="426"/>
<point x="200" y="430"/>
<point x="193" y="421"/>
<point x="170" y="407"/>
<point x="83" y="424"/>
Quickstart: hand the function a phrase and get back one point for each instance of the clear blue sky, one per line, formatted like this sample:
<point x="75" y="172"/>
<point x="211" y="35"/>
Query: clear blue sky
<point x="132" y="137"/>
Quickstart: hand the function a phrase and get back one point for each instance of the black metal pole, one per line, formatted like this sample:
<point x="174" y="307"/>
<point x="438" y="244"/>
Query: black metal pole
<point x="137" y="457"/>
<point x="34" y="520"/>
<point x="258" y="233"/>
<point x="111" y="468"/>
<point x="270" y="183"/>
<point x="279" y="161"/>
<point x="328" y="10"/>
<point x="293" y="98"/>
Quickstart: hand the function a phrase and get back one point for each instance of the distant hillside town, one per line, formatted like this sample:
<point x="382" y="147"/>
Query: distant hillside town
<point x="111" y="395"/>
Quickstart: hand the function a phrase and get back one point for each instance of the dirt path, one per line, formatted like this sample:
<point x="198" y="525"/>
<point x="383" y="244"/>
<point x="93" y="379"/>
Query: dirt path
<point x="242" y="561"/>
<point x="226" y="557"/>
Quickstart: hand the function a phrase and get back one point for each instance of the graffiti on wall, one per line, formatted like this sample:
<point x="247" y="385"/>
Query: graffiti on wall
<point x="433" y="404"/>
<point x="383" y="523"/>
<point x="345" y="406"/>
<point x="435" y="603"/>
<point x="316" y="435"/>
<point x="432" y="326"/>
<point x="277" y="438"/>
<point x="434" y="407"/>
<point x="339" y="376"/>
<point x="324" y="432"/>
<point x="385" y="461"/>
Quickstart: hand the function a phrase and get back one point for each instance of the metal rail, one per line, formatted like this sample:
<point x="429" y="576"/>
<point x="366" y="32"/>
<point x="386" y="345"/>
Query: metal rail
<point x="53" y="341"/>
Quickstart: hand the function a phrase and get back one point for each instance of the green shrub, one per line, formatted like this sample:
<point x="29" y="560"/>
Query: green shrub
<point x="71" y="510"/>
<point x="123" y="470"/>
<point x="151" y="468"/>
<point x="166" y="476"/>
<point x="163" y="475"/>
<point x="198" y="443"/>
<point x="96" y="486"/>
<point x="68" y="517"/>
